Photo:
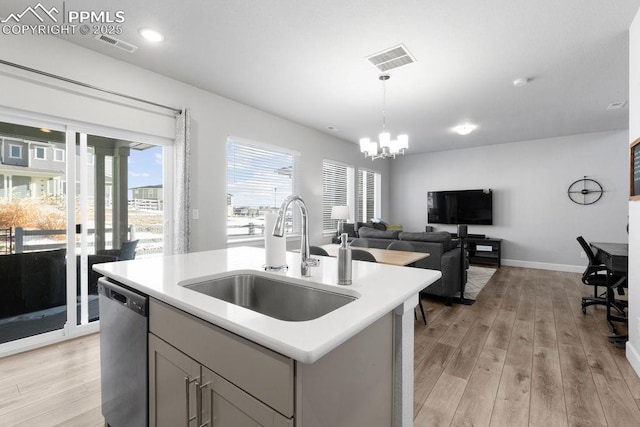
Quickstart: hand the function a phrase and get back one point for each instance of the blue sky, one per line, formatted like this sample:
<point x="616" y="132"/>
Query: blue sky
<point x="145" y="167"/>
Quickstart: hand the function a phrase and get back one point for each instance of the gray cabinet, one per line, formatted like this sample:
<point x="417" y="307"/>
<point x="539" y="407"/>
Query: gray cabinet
<point x="183" y="392"/>
<point x="173" y="380"/>
<point x="203" y="375"/>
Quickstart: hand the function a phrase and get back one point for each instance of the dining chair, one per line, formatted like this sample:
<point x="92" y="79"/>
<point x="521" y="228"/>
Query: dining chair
<point x="359" y="243"/>
<point x="402" y="245"/>
<point x="318" y="251"/>
<point x="360" y="255"/>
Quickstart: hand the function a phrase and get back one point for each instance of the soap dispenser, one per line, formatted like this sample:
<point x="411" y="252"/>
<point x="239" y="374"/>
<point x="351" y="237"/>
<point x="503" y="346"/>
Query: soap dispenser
<point x="344" y="261"/>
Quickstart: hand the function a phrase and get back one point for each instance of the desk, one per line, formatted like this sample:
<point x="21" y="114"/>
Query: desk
<point x="383" y="256"/>
<point x="614" y="256"/>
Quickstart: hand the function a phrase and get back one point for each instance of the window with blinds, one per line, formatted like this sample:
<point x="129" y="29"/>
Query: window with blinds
<point x="368" y="195"/>
<point x="259" y="178"/>
<point x="337" y="190"/>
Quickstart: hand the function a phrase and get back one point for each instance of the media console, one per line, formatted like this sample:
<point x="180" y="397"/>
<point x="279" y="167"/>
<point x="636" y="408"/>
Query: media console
<point x="483" y="250"/>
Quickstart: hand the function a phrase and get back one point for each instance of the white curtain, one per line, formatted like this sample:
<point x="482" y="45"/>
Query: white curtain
<point x="181" y="231"/>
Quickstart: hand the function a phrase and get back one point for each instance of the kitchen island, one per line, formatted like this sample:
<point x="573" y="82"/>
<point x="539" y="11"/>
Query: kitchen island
<point x="351" y="366"/>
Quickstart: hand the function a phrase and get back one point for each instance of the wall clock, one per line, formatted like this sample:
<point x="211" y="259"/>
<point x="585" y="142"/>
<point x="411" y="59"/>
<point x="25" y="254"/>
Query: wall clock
<point x="585" y="191"/>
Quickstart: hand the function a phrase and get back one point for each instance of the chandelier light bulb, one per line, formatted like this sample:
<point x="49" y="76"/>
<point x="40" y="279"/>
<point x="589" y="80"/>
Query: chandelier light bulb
<point x="364" y="145"/>
<point x="403" y="141"/>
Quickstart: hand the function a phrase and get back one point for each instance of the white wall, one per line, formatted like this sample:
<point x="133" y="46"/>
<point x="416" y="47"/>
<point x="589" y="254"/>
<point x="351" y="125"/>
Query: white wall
<point x="532" y="212"/>
<point x="633" y="345"/>
<point x="214" y="118"/>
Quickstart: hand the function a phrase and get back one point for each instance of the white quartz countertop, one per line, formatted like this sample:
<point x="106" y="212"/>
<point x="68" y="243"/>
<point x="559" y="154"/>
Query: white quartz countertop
<point x="379" y="289"/>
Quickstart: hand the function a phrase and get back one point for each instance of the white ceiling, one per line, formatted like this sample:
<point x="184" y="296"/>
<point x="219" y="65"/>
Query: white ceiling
<point x="305" y="61"/>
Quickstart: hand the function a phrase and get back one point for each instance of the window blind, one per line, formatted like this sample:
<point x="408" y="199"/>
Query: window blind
<point x="368" y="195"/>
<point x="335" y="191"/>
<point x="259" y="178"/>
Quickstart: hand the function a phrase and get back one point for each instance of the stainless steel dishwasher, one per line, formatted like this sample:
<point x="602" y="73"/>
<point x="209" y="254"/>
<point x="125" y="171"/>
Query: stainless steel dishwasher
<point x="123" y="354"/>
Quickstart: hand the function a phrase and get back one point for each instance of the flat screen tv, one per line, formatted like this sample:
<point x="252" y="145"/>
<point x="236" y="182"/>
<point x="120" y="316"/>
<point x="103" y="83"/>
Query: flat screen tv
<point x="460" y="207"/>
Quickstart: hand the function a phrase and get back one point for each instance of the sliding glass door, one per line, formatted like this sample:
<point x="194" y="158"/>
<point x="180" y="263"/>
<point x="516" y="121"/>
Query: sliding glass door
<point x="69" y="198"/>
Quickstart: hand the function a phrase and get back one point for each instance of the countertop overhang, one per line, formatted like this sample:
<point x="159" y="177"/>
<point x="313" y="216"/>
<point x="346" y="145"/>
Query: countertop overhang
<point x="379" y="290"/>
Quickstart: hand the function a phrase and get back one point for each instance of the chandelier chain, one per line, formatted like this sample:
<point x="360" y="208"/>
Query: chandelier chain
<point x="384" y="105"/>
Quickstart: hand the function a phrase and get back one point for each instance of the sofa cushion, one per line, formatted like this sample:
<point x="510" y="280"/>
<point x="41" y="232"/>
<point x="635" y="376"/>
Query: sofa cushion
<point x="372" y="233"/>
<point x="443" y="237"/>
<point x="360" y="225"/>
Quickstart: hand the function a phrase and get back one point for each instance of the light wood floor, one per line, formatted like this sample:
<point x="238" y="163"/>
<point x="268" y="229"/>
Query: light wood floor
<point x="522" y="355"/>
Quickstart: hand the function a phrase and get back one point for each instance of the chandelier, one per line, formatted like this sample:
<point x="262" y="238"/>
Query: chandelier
<point x="388" y="147"/>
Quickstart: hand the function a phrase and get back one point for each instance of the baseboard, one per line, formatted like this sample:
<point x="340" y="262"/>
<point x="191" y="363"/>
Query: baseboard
<point x="544" y="266"/>
<point x="633" y="357"/>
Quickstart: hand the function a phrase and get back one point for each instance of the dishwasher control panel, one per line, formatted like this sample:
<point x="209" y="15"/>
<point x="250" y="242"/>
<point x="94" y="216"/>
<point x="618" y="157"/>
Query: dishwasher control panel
<point x="132" y="300"/>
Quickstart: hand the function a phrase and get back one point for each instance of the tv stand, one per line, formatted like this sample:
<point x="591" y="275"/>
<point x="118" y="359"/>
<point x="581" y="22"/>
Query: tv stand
<point x="484" y="250"/>
<point x="470" y="236"/>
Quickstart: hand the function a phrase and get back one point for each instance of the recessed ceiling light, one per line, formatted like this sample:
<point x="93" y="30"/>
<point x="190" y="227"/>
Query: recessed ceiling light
<point x="522" y="81"/>
<point x="333" y="128"/>
<point x="45" y="130"/>
<point x="465" y="129"/>
<point x="151" y="35"/>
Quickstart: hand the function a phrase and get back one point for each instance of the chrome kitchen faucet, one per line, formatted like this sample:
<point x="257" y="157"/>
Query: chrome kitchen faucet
<point x="278" y="230"/>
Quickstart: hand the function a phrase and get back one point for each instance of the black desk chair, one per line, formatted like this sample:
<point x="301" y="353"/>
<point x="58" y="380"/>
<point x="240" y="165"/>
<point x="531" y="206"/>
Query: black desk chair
<point x="595" y="276"/>
<point x="402" y="245"/>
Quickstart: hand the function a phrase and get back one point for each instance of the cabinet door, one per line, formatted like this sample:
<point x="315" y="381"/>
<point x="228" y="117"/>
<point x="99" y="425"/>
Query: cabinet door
<point x="173" y="386"/>
<point x="225" y="405"/>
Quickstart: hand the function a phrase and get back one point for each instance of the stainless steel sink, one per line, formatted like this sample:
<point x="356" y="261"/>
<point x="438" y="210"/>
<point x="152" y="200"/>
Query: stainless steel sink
<point x="275" y="298"/>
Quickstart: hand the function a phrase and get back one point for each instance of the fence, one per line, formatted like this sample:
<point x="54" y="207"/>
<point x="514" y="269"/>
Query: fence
<point x="21" y="236"/>
<point x="146" y="204"/>
<point x="6" y="240"/>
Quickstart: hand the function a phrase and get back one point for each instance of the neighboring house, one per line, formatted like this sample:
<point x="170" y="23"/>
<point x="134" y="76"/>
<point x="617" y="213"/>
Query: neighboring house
<point x="36" y="169"/>
<point x="31" y="168"/>
<point x="148" y="192"/>
<point x="147" y="197"/>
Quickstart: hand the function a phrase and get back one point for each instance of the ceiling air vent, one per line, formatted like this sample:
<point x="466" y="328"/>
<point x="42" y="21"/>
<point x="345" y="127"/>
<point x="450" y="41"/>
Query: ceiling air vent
<point x="117" y="43"/>
<point x="391" y="58"/>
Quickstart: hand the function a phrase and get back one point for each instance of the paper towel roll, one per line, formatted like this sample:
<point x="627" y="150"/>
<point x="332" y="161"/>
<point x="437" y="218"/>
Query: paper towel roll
<point x="274" y="247"/>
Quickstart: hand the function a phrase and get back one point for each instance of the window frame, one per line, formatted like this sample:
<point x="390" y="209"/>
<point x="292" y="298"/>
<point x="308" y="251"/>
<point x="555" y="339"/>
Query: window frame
<point x="11" y="147"/>
<point x="249" y="145"/>
<point x="44" y="152"/>
<point x="56" y="151"/>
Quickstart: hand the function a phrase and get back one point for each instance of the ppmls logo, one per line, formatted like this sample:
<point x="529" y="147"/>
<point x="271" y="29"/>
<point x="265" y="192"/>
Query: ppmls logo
<point x="101" y="22"/>
<point x="34" y="11"/>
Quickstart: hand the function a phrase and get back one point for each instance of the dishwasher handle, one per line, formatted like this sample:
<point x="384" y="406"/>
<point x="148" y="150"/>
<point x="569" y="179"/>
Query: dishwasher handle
<point x="132" y="300"/>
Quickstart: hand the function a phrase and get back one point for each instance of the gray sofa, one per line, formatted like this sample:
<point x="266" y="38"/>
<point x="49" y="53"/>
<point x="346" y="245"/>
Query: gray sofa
<point x="444" y="256"/>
